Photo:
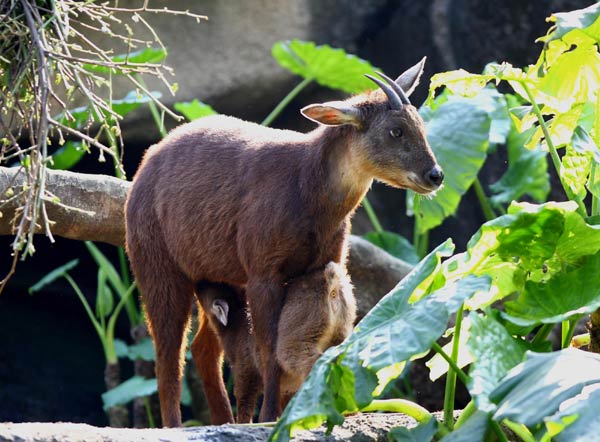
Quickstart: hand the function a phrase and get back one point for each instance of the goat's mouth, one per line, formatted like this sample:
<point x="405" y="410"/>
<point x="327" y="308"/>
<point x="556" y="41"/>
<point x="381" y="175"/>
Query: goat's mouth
<point x="420" y="188"/>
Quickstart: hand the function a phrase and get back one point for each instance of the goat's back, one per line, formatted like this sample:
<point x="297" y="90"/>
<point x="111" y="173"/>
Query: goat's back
<point x="213" y="184"/>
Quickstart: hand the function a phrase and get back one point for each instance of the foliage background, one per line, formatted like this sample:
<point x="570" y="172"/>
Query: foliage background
<point x="33" y="361"/>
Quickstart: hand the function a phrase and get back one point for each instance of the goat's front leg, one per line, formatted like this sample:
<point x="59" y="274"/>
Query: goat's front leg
<point x="265" y="299"/>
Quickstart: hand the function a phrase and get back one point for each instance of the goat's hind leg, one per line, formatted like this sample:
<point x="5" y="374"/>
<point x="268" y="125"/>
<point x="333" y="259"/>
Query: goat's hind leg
<point x="208" y="357"/>
<point x="167" y="296"/>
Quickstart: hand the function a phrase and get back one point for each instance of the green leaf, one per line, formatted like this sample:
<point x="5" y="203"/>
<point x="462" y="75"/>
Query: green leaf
<point x="132" y="101"/>
<point x="574" y="77"/>
<point x="438" y="366"/>
<point x="107" y="268"/>
<point x="527" y="172"/>
<point x="121" y="349"/>
<point x="147" y="55"/>
<point x="538" y="387"/>
<point x="473" y="430"/>
<point x="330" y="67"/>
<point x="67" y="156"/>
<point x="192" y="110"/>
<point x="581" y="418"/>
<point x="53" y="276"/>
<point x="83" y="115"/>
<point x="495" y="352"/>
<point x="104" y="297"/>
<point x="127" y="391"/>
<point x="459" y="82"/>
<point x="329" y="388"/>
<point x="142" y="350"/>
<point x="421" y="433"/>
<point x="530" y="243"/>
<point x="395" y="245"/>
<point x="584" y="19"/>
<point x="566" y="294"/>
<point x="394" y="331"/>
<point x="458" y="131"/>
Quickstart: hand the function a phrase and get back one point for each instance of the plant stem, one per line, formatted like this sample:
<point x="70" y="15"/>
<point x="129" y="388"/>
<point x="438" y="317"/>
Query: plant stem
<point x="88" y="310"/>
<point x="151" y="422"/>
<point x="417" y="412"/>
<point x="160" y="123"/>
<point x="459" y="372"/>
<point x="124" y="267"/>
<point x="286" y="100"/>
<point x="552" y="149"/>
<point x="372" y="215"/>
<point x="420" y="240"/>
<point x="595" y="170"/>
<point x="450" y="392"/>
<point x="467" y="412"/>
<point x="520" y="430"/>
<point x="499" y="433"/>
<point x="542" y="333"/>
<point x="568" y="330"/>
<point x="488" y="212"/>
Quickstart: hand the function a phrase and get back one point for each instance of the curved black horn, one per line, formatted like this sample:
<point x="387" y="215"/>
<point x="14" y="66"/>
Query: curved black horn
<point x="396" y="88"/>
<point x="393" y="97"/>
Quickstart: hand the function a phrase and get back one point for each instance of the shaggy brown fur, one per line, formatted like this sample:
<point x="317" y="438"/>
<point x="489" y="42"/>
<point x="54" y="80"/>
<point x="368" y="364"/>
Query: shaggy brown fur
<point x="319" y="312"/>
<point x="228" y="201"/>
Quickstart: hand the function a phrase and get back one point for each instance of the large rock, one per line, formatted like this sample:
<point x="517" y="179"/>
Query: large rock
<point x="226" y="61"/>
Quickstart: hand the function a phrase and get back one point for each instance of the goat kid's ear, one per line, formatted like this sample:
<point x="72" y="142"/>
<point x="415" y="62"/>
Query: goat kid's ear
<point x="332" y="272"/>
<point x="332" y="113"/>
<point x="220" y="309"/>
<point x="409" y="79"/>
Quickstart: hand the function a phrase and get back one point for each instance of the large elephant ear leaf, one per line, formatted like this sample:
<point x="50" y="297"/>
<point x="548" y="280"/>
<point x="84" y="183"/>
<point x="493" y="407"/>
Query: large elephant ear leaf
<point x="330" y="67"/>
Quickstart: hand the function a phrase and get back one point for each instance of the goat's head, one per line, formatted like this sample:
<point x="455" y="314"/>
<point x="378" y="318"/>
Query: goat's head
<point x="389" y="134"/>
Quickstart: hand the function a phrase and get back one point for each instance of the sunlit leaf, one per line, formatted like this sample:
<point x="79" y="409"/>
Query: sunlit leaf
<point x="586" y="19"/>
<point x="132" y="101"/>
<point x="574" y="77"/>
<point x="458" y="82"/>
<point x="328" y="66"/>
<point x="194" y="109"/>
<point x="67" y="156"/>
<point x="438" y="366"/>
<point x="495" y="352"/>
<point x="565" y="295"/>
<point x="147" y="55"/>
<point x="538" y="387"/>
<point x="580" y="417"/>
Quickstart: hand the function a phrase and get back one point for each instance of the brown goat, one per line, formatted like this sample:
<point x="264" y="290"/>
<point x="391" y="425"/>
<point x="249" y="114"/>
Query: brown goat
<point x="319" y="312"/>
<point x="225" y="200"/>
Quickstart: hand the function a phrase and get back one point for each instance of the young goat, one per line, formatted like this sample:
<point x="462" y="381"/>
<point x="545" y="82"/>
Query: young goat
<point x="228" y="201"/>
<point x="319" y="312"/>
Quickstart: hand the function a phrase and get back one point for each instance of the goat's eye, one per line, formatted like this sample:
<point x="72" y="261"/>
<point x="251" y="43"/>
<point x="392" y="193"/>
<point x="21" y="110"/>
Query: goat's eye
<point x="396" y="132"/>
<point x="333" y="293"/>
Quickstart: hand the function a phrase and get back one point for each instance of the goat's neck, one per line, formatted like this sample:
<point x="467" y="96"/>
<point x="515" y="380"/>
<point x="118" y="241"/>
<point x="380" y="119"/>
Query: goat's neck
<point x="340" y="173"/>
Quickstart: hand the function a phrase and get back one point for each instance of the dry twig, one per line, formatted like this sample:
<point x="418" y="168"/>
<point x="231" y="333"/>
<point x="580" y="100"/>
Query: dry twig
<point x="48" y="63"/>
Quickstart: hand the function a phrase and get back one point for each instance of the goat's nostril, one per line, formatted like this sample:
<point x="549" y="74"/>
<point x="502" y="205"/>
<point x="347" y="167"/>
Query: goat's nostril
<point x="435" y="175"/>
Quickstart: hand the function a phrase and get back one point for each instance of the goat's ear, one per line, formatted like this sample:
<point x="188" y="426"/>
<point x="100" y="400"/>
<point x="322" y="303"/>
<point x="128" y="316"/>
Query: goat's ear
<point x="409" y="79"/>
<point x="220" y="309"/>
<point x="332" y="113"/>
